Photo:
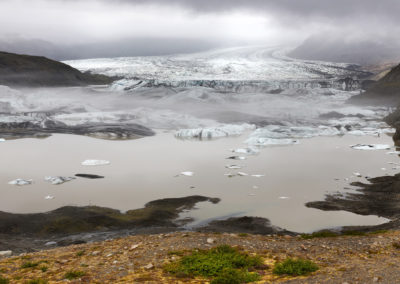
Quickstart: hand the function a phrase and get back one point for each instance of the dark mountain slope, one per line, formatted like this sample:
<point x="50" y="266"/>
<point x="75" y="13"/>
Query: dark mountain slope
<point x="35" y="71"/>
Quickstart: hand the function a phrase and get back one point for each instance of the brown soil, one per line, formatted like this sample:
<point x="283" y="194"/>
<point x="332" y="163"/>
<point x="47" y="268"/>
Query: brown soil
<point x="351" y="259"/>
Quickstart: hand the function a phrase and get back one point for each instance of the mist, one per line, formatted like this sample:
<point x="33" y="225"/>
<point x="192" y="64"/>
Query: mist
<point x="69" y="29"/>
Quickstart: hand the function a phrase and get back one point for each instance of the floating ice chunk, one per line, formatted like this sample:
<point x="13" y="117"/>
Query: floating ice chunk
<point x="58" y="180"/>
<point x="261" y="141"/>
<point x="95" y="163"/>
<point x="20" y="181"/>
<point x="248" y="150"/>
<point x="357" y="174"/>
<point x="242" y="174"/>
<point x="49" y="197"/>
<point x="283" y="197"/>
<point x="258" y="176"/>
<point x="370" y="147"/>
<point x="237" y="158"/>
<point x="214" y="132"/>
<point x="393" y="153"/>
<point x="2" y="140"/>
<point x="188" y="174"/>
<point x="233" y="167"/>
<point x="230" y="175"/>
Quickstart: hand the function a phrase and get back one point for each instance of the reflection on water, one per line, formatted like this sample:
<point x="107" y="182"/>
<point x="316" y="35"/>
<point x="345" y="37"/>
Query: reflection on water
<point x="146" y="169"/>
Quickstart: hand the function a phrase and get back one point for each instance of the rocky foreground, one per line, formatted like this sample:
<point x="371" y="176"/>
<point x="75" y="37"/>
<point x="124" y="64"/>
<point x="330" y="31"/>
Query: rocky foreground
<point x="371" y="258"/>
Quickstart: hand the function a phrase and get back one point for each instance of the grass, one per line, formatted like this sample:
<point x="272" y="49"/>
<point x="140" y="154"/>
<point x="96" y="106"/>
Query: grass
<point x="321" y="234"/>
<point x="74" y="274"/>
<point x="44" y="268"/>
<point x="4" y="280"/>
<point x="295" y="267"/>
<point x="222" y="264"/>
<point x="36" y="281"/>
<point x="29" y="264"/>
<point x="80" y="253"/>
<point x="176" y="252"/>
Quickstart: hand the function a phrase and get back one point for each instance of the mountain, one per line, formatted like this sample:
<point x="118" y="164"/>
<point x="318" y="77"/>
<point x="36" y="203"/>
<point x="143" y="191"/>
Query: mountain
<point x="35" y="71"/>
<point x="335" y="48"/>
<point x="385" y="91"/>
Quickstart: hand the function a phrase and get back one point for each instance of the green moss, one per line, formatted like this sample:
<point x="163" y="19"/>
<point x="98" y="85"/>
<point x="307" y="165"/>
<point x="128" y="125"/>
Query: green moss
<point x="243" y="235"/>
<point x="295" y="267"/>
<point x="80" y="253"/>
<point x="74" y="274"/>
<point x="36" y="281"/>
<point x="29" y="264"/>
<point x="44" y="268"/>
<point x="4" y="280"/>
<point x="321" y="234"/>
<point x="176" y="252"/>
<point x="221" y="264"/>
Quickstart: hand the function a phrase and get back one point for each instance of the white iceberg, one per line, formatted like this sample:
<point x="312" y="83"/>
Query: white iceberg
<point x="49" y="197"/>
<point x="214" y="132"/>
<point x="95" y="163"/>
<point x="248" y="150"/>
<point x="242" y="174"/>
<point x="20" y="181"/>
<point x="188" y="174"/>
<point x="258" y="176"/>
<point x="233" y="167"/>
<point x="370" y="147"/>
<point x="58" y="180"/>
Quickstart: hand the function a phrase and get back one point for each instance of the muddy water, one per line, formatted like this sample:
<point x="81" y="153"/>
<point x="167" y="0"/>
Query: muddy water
<point x="145" y="169"/>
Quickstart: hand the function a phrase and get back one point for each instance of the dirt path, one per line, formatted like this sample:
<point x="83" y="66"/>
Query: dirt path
<point x="139" y="259"/>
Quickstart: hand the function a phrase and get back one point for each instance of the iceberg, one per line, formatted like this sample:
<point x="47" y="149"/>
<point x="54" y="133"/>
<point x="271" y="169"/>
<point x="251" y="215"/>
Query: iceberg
<point x="58" y="180"/>
<point x="20" y="181"/>
<point x="214" y="132"/>
<point x="370" y="147"/>
<point x="95" y="163"/>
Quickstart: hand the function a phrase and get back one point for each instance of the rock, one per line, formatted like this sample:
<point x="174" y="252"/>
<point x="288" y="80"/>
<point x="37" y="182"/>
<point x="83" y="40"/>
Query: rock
<point x="134" y="247"/>
<point x="95" y="253"/>
<point x="5" y="253"/>
<point x="210" y="241"/>
<point x="89" y="176"/>
<point x="375" y="279"/>
<point x="148" y="266"/>
<point x="48" y="244"/>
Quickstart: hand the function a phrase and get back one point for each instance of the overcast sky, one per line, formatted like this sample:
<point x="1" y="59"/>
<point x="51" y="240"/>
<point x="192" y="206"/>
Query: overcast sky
<point x="239" y="21"/>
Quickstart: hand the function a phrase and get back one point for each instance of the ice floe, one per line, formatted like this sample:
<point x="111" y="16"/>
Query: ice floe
<point x="248" y="151"/>
<point x="242" y="174"/>
<point x="49" y="197"/>
<point x="95" y="163"/>
<point x="58" y="180"/>
<point x="20" y="181"/>
<point x="370" y="147"/>
<point x="233" y="167"/>
<point x="188" y="174"/>
<point x="237" y="158"/>
<point x="214" y="132"/>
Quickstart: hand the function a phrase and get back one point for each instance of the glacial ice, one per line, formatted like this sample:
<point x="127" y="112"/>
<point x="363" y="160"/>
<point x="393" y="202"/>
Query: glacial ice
<point x="49" y="197"/>
<point x="188" y="174"/>
<point x="370" y="147"/>
<point x="20" y="181"/>
<point x="95" y="163"/>
<point x="58" y="180"/>
<point x="2" y="140"/>
<point x="214" y="132"/>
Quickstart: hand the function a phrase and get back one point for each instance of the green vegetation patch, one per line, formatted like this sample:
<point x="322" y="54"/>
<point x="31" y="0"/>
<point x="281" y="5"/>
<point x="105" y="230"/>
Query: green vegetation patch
<point x="295" y="267"/>
<point x="74" y="274"/>
<point x="4" y="280"/>
<point x="222" y="264"/>
<point x="36" y="281"/>
<point x="321" y="234"/>
<point x="29" y="264"/>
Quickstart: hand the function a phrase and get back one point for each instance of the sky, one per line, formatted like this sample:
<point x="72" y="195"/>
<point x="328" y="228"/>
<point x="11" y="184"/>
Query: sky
<point x="219" y="22"/>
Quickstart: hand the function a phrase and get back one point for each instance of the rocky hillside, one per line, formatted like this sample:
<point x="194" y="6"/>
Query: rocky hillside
<point x="35" y="71"/>
<point x="386" y="91"/>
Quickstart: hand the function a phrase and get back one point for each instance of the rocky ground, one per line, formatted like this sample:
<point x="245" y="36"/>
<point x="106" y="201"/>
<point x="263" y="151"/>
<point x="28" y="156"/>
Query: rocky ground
<point x="372" y="258"/>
